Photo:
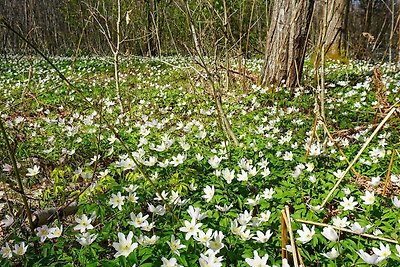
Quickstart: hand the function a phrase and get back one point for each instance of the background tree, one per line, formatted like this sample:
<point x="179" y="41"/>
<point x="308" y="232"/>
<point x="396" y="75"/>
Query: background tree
<point x="336" y="28"/>
<point x="286" y="42"/>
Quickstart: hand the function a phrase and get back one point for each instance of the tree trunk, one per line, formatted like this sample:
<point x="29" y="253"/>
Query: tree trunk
<point x="335" y="40"/>
<point x="286" y="42"/>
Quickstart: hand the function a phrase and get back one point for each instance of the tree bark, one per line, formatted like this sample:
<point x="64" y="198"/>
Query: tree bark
<point x="286" y="42"/>
<point x="335" y="40"/>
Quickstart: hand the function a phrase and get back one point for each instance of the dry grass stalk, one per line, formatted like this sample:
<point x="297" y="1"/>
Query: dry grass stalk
<point x="348" y="231"/>
<point x="286" y="217"/>
<point x="312" y="137"/>
<point x="388" y="172"/>
<point x="380" y="90"/>
<point x="284" y="237"/>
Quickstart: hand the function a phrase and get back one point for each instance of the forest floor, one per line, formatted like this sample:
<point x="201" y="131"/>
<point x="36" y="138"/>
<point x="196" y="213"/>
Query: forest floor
<point x="160" y="183"/>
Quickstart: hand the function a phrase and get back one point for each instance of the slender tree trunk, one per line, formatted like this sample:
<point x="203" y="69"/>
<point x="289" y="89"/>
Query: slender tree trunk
<point x="286" y="42"/>
<point x="116" y="58"/>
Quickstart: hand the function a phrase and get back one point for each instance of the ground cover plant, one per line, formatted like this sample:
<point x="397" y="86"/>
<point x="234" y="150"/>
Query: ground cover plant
<point x="160" y="184"/>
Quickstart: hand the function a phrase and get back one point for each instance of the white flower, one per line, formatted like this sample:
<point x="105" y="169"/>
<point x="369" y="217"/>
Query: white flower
<point x="245" y="217"/>
<point x="224" y="208"/>
<point x="202" y="237"/>
<point x="33" y="171"/>
<point x="288" y="156"/>
<point x="7" y="221"/>
<point x="199" y="157"/>
<point x="383" y="252"/>
<point x="265" y="172"/>
<point x="312" y="178"/>
<point x="261" y="237"/>
<point x="346" y="191"/>
<point x="159" y="210"/>
<point x="264" y="216"/>
<point x="179" y="159"/>
<point x="338" y="174"/>
<point x="124" y="246"/>
<point x="169" y="263"/>
<point x="86" y="238"/>
<point x="244" y="233"/>
<point x="117" y="200"/>
<point x="375" y="181"/>
<point x="330" y="234"/>
<point x="195" y="213"/>
<point x="208" y="193"/>
<point x="243" y="176"/>
<point x="315" y="150"/>
<point x="253" y="202"/>
<point x="370" y="259"/>
<point x="209" y="259"/>
<point x="20" y="249"/>
<point x="257" y="261"/>
<point x="348" y="203"/>
<point x="6" y="252"/>
<point x="138" y="220"/>
<point x="396" y="202"/>
<point x="190" y="228"/>
<point x="267" y="194"/>
<point x="398" y="250"/>
<point x="368" y="198"/>
<point x="175" y="245"/>
<point x="340" y="222"/>
<point x="84" y="223"/>
<point x="131" y="188"/>
<point x="228" y="175"/>
<point x="306" y="234"/>
<point x="214" y="161"/>
<point x="42" y="232"/>
<point x="356" y="227"/>
<point x="333" y="254"/>
<point x="132" y="198"/>
<point x="310" y="166"/>
<point x="285" y="263"/>
<point x="55" y="232"/>
<point x="7" y="167"/>
<point x="216" y="243"/>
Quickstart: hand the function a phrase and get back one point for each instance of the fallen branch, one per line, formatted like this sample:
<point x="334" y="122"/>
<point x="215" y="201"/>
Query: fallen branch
<point x="42" y="217"/>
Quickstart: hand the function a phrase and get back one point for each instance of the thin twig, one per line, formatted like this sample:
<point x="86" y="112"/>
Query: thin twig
<point x="17" y="176"/>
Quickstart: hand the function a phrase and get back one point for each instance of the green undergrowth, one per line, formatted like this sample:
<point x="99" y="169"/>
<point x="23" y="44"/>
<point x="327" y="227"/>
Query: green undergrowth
<point x="231" y="196"/>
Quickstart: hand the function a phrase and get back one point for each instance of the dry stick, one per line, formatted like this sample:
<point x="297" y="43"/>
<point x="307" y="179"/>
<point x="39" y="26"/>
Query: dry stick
<point x="388" y="172"/>
<point x="286" y="217"/>
<point x="349" y="231"/>
<point x="17" y="176"/>
<point x="284" y="237"/>
<point x="393" y="109"/>
<point x="295" y="248"/>
<point x="312" y="137"/>
<point x="338" y="147"/>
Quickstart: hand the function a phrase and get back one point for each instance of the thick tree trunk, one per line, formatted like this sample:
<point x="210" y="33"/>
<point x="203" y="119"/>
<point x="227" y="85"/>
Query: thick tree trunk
<point x="286" y="42"/>
<point x="335" y="40"/>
